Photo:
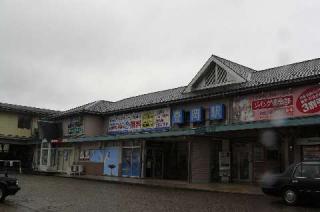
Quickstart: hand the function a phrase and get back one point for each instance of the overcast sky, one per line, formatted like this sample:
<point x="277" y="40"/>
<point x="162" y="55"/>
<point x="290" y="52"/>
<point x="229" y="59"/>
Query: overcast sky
<point x="61" y="54"/>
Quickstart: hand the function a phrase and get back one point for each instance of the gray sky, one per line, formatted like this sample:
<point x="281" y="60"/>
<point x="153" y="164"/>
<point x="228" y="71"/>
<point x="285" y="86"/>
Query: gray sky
<point x="60" y="54"/>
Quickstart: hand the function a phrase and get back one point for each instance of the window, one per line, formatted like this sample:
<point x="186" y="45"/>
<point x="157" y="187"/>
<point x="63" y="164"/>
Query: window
<point x="307" y="171"/>
<point x="258" y="154"/>
<point x="24" y="122"/>
<point x="4" y="148"/>
<point x="216" y="76"/>
<point x="44" y="159"/>
<point x="272" y="155"/>
<point x="187" y="117"/>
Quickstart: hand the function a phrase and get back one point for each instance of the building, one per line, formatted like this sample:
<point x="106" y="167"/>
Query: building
<point x="231" y="123"/>
<point x="19" y="132"/>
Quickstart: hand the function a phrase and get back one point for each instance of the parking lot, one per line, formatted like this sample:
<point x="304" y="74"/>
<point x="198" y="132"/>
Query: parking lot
<point x="47" y="193"/>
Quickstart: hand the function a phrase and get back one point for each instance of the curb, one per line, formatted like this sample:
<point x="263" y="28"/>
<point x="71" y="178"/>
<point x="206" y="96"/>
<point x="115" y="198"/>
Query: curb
<point x="173" y="187"/>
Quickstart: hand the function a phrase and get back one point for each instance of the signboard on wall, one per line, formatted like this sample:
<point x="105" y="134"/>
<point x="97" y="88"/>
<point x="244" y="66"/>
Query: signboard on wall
<point x="75" y="126"/>
<point x="196" y="115"/>
<point x="142" y="121"/>
<point x="288" y="103"/>
<point x="177" y="117"/>
<point x="217" y="112"/>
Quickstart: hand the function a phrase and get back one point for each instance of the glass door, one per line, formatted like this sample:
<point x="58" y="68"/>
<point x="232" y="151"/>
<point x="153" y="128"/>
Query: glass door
<point x="158" y="164"/>
<point x="131" y="162"/>
<point x="241" y="163"/>
<point x="60" y="160"/>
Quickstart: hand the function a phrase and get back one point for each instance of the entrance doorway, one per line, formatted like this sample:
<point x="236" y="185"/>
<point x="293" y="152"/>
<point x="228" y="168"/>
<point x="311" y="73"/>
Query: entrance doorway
<point x="64" y="161"/>
<point x="154" y="163"/>
<point x="242" y="163"/>
<point x="167" y="160"/>
<point x="131" y="161"/>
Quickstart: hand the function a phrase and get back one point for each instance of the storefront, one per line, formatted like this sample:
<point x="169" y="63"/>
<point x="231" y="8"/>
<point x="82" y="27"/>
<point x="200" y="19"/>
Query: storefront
<point x="167" y="159"/>
<point x="265" y="150"/>
<point x="309" y="148"/>
<point x="55" y="156"/>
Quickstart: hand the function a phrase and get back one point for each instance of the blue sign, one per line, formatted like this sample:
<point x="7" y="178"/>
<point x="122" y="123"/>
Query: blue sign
<point x="177" y="117"/>
<point x="217" y="112"/>
<point x="111" y="161"/>
<point x="97" y="155"/>
<point x="196" y="115"/>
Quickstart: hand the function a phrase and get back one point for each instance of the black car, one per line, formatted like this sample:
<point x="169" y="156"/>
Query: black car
<point x="8" y="186"/>
<point x="301" y="180"/>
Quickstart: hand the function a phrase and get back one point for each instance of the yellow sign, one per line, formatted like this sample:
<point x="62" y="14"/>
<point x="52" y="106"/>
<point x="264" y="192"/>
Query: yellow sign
<point x="148" y="120"/>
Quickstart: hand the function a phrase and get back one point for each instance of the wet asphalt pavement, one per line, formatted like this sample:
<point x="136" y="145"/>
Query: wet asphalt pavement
<point x="46" y="193"/>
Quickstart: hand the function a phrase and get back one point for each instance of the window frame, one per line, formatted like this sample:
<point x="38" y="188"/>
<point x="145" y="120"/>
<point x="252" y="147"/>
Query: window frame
<point x="24" y="122"/>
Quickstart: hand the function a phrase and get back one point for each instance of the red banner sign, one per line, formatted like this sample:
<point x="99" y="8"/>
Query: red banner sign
<point x="309" y="101"/>
<point x="281" y="101"/>
<point x="303" y="101"/>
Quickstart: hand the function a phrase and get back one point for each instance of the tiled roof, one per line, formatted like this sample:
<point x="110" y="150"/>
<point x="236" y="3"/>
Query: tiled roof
<point x="148" y="99"/>
<point x="92" y="107"/>
<point x="26" y="109"/>
<point x="288" y="72"/>
<point x="255" y="79"/>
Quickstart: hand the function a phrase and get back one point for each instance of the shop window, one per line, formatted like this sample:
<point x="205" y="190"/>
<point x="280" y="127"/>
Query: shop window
<point x="311" y="153"/>
<point x="272" y="155"/>
<point x="53" y="157"/>
<point x="44" y="159"/>
<point x="84" y="154"/>
<point x="258" y="154"/>
<point x="4" y="148"/>
<point x="24" y="122"/>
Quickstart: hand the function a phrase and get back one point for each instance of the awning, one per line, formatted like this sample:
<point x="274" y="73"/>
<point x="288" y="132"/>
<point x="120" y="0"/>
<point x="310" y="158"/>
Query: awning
<point x="306" y="121"/>
<point x="150" y="135"/>
<point x="294" y="122"/>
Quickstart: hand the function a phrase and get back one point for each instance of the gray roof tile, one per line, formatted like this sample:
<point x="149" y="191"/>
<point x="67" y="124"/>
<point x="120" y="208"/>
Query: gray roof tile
<point x="26" y="109"/>
<point x="255" y="78"/>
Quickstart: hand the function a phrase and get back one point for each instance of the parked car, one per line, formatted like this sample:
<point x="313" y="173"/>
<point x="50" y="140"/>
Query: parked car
<point x="8" y="186"/>
<point x="298" y="181"/>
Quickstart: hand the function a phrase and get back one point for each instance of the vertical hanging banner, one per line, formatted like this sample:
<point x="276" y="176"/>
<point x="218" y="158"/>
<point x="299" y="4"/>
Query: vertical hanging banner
<point x="141" y="121"/>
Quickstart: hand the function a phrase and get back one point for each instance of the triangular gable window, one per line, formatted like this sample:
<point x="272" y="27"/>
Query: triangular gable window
<point x="216" y="76"/>
<point x="213" y="74"/>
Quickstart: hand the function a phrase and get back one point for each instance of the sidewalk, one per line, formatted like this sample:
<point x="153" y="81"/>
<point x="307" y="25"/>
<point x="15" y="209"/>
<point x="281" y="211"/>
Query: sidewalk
<point x="174" y="184"/>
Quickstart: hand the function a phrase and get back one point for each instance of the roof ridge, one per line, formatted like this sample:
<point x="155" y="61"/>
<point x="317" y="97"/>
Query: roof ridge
<point x="218" y="57"/>
<point x="304" y="61"/>
<point x="81" y="106"/>
<point x="91" y="104"/>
